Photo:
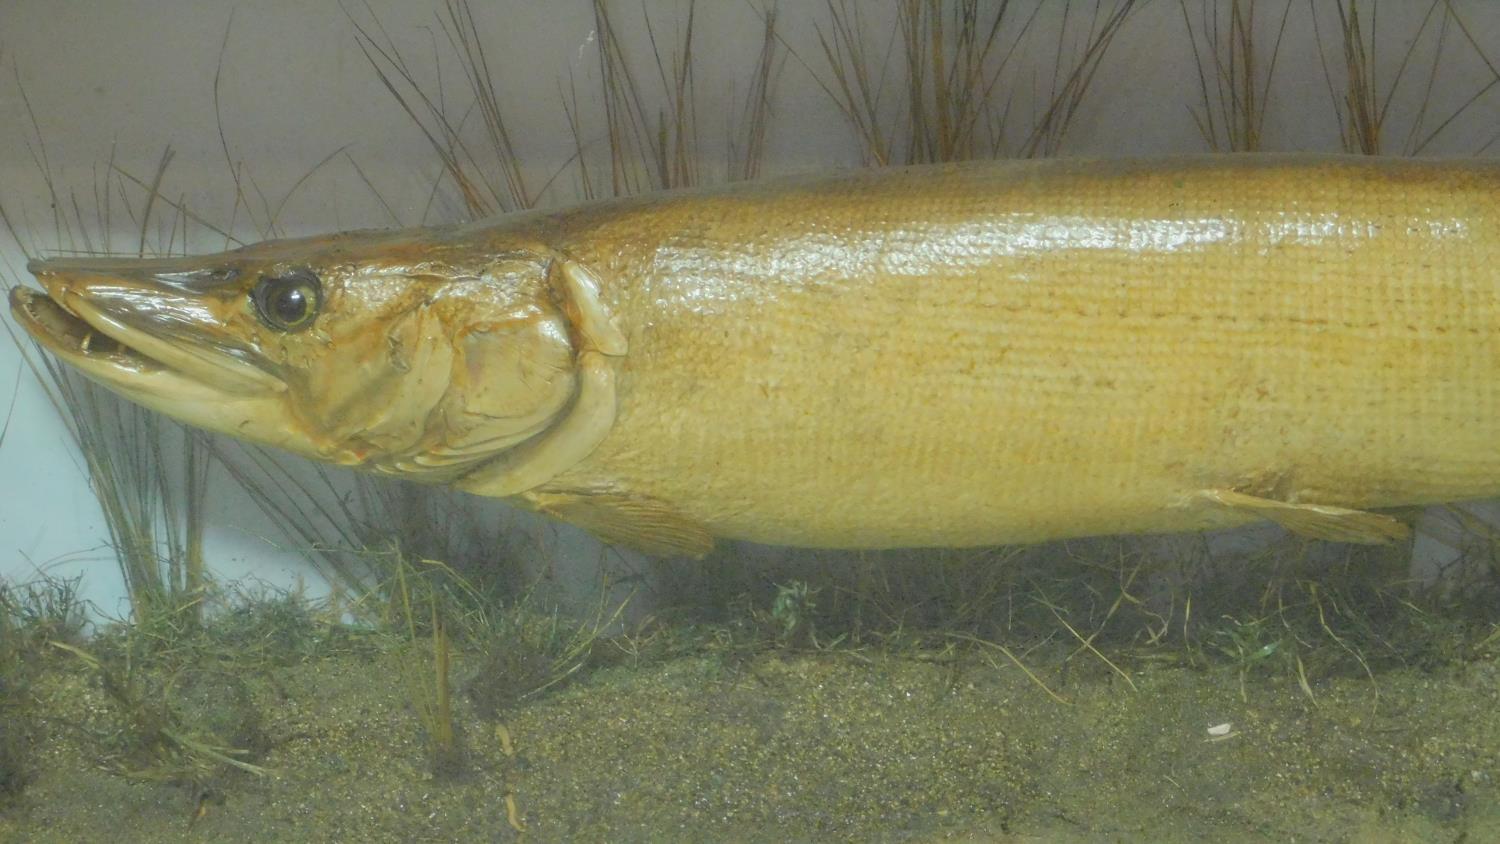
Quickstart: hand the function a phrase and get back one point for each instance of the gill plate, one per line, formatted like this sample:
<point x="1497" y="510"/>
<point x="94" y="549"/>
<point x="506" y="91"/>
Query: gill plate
<point x="592" y="414"/>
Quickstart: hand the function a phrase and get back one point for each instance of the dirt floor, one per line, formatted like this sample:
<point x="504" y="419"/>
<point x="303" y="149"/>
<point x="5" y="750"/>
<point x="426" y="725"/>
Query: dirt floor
<point x="785" y="745"/>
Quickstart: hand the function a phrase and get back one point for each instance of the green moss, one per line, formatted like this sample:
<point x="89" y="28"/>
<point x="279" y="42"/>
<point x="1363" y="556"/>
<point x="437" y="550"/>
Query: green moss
<point x="876" y="697"/>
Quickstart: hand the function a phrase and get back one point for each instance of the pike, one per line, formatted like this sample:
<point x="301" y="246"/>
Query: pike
<point x="954" y="355"/>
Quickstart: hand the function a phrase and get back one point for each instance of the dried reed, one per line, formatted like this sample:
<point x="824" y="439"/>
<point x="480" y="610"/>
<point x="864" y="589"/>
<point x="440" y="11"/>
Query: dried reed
<point x="147" y="473"/>
<point x="1363" y="105"/>
<point x="1233" y="86"/>
<point x="957" y="77"/>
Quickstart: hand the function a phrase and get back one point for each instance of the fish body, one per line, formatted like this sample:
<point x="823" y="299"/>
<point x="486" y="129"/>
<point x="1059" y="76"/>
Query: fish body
<point x="945" y="355"/>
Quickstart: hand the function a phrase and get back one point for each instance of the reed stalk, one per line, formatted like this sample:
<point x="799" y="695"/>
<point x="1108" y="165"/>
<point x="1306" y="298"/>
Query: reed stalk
<point x="943" y="86"/>
<point x="1363" y="88"/>
<point x="1234" y="73"/>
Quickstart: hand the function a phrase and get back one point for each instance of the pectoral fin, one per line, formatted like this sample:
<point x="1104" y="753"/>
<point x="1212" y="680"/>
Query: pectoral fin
<point x="581" y="298"/>
<point x="644" y="524"/>
<point x="1315" y="521"/>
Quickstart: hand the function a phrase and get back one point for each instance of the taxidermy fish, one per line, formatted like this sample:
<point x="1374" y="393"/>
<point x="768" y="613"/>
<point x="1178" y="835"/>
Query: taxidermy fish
<point x="956" y="355"/>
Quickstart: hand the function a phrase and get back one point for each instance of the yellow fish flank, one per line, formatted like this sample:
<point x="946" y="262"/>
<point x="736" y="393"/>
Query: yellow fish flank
<point x="948" y="355"/>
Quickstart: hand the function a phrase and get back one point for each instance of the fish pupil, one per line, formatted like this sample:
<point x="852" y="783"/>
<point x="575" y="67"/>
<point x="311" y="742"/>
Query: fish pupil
<point x="291" y="305"/>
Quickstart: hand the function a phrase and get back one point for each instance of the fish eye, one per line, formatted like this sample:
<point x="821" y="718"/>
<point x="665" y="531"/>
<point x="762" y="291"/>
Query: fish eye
<point x="288" y="302"/>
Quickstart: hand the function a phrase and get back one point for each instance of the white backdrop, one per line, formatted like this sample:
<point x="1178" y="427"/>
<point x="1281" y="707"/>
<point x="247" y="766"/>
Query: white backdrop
<point x="122" y="80"/>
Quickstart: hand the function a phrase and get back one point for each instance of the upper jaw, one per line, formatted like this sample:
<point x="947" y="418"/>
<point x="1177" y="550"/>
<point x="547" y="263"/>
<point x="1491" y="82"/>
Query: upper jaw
<point x="120" y="321"/>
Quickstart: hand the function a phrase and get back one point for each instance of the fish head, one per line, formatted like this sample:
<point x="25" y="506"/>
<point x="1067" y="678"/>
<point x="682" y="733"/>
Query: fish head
<point x="404" y="352"/>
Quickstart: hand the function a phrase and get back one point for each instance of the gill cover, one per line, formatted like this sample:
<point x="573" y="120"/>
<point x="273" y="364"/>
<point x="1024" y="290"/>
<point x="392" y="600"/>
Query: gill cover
<point x="592" y="413"/>
<point x="494" y="379"/>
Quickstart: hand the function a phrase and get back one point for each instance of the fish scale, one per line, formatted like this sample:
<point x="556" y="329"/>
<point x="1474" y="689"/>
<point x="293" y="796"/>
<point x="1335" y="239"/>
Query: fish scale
<point x="1134" y="333"/>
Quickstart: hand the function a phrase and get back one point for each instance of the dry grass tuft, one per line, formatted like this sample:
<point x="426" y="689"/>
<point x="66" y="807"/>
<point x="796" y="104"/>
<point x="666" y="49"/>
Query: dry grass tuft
<point x="1234" y="78"/>
<point x="487" y="175"/>
<point x="1363" y="104"/>
<point x="745" y="157"/>
<point x="649" y="111"/>
<point x="148" y="473"/>
<point x="954" y="71"/>
<point x="648" y="152"/>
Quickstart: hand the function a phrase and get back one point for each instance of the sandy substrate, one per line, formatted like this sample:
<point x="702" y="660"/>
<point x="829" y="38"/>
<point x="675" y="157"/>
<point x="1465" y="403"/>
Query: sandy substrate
<point x="803" y="747"/>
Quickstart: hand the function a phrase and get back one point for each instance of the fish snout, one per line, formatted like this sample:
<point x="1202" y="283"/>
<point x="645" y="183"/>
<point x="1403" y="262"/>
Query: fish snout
<point x="186" y="274"/>
<point x="170" y="310"/>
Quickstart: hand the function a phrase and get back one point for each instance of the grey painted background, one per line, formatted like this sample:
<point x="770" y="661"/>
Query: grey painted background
<point x="124" y="79"/>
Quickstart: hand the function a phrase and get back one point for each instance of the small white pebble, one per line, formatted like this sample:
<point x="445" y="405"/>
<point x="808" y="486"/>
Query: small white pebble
<point x="1223" y="729"/>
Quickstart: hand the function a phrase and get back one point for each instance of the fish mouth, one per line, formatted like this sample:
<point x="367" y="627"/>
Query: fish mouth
<point x="71" y="337"/>
<point x="113" y="332"/>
